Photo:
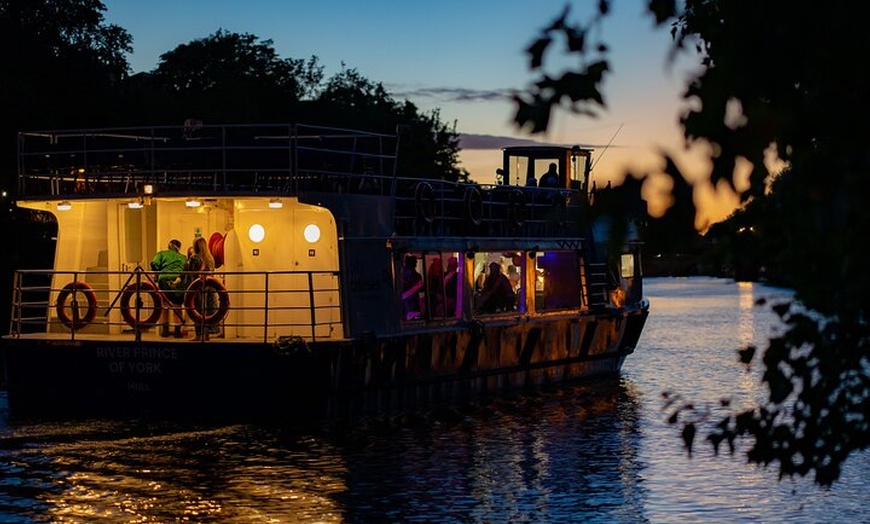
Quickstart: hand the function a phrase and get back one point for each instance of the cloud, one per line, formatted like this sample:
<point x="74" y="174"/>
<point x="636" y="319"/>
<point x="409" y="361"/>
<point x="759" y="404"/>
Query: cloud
<point x="471" y="141"/>
<point x="453" y="94"/>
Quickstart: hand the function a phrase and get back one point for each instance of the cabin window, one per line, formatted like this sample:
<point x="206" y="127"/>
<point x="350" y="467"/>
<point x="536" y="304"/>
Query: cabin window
<point x="498" y="282"/>
<point x="557" y="280"/>
<point x="626" y="265"/>
<point x="430" y="286"/>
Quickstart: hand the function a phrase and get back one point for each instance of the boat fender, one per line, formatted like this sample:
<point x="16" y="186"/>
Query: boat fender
<point x="424" y="202"/>
<point x="291" y="345"/>
<point x="517" y="208"/>
<point x="473" y="206"/>
<point x="201" y="285"/>
<point x="128" y="312"/>
<point x="76" y="322"/>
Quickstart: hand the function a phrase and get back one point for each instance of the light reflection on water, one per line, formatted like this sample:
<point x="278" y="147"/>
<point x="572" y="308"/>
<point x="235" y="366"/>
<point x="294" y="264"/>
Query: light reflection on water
<point x="593" y="453"/>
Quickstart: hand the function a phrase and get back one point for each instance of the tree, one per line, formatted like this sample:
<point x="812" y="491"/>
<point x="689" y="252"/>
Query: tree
<point x="60" y="64"/>
<point x="771" y="85"/>
<point x="231" y="77"/>
<point x="429" y="147"/>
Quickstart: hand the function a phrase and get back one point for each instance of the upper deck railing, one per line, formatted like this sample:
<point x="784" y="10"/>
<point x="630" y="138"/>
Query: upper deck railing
<point x="284" y="159"/>
<point x="239" y="158"/>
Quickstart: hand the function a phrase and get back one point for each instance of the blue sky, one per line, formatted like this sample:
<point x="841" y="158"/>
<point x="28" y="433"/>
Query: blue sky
<point x="462" y="57"/>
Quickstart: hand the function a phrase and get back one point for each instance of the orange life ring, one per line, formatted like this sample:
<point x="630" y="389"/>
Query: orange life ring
<point x="199" y="286"/>
<point x="75" y="321"/>
<point x="424" y="202"/>
<point x="128" y="312"/>
<point x="473" y="206"/>
<point x="517" y="208"/>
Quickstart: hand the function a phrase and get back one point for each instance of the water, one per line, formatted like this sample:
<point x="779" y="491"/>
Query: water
<point x="600" y="452"/>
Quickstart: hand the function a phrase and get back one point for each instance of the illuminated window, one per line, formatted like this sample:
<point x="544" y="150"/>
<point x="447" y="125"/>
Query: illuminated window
<point x="498" y="282"/>
<point x="256" y="233"/>
<point x="557" y="280"/>
<point x="311" y="233"/>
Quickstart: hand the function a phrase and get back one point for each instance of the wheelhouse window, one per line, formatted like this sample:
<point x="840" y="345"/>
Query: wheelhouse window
<point x="557" y="280"/>
<point x="498" y="282"/>
<point x="431" y="284"/>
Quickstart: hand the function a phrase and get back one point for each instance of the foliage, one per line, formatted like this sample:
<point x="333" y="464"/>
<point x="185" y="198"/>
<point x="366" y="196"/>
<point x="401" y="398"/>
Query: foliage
<point x="60" y="64"/>
<point x="770" y="85"/>
<point x="429" y="147"/>
<point x="233" y="77"/>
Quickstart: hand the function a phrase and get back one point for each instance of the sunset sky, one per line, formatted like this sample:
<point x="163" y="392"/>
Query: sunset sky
<point x="465" y="58"/>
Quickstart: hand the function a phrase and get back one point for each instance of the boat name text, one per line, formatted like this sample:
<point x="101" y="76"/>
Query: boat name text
<point x="124" y="352"/>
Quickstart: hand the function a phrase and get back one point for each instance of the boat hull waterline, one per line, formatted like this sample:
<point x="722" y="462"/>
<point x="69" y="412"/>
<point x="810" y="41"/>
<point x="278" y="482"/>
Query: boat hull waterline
<point x="313" y="381"/>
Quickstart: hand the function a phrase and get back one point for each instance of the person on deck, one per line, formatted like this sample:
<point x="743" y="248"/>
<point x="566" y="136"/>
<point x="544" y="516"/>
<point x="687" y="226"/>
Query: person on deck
<point x="435" y="288"/>
<point x="450" y="286"/>
<point x="201" y="261"/>
<point x="551" y="177"/>
<point x="170" y="263"/>
<point x="412" y="286"/>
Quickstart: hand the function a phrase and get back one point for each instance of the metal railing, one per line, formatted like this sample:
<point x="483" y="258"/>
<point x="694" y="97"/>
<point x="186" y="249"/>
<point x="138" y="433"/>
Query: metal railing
<point x="239" y="158"/>
<point x="255" y="306"/>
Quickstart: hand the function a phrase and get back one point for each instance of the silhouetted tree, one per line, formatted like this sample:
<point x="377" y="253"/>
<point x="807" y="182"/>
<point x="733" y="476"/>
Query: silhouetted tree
<point x="60" y="64"/>
<point x="429" y="147"/>
<point x="232" y="77"/>
<point x="771" y="83"/>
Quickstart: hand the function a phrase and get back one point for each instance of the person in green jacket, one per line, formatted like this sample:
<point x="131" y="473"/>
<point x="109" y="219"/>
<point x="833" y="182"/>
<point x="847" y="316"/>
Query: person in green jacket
<point x="170" y="263"/>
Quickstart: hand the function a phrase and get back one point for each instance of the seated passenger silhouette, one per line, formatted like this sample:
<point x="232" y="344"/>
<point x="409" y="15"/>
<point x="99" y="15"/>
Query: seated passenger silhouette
<point x="497" y="293"/>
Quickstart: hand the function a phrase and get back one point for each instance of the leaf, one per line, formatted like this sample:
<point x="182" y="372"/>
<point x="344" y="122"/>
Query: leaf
<point x="536" y="51"/>
<point x="747" y="354"/>
<point x="688" y="435"/>
<point x="662" y="10"/>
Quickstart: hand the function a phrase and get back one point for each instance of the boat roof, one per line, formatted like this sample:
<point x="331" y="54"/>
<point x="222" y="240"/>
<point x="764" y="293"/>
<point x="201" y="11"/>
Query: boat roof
<point x="546" y="151"/>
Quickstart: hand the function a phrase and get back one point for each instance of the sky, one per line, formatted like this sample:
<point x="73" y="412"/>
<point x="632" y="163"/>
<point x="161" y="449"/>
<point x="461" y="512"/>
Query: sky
<point x="465" y="58"/>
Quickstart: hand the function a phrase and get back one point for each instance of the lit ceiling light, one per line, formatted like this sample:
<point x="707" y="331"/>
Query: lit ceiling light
<point x="135" y="204"/>
<point x="148" y="189"/>
<point x="276" y="203"/>
<point x="64" y="206"/>
<point x="256" y="233"/>
<point x="311" y="233"/>
<point x="192" y="202"/>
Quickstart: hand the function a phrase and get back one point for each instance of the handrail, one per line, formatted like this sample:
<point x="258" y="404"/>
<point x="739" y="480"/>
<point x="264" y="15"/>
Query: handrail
<point x="239" y="157"/>
<point x="263" y="306"/>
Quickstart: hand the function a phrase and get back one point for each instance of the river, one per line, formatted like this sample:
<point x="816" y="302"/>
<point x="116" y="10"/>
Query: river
<point x="600" y="452"/>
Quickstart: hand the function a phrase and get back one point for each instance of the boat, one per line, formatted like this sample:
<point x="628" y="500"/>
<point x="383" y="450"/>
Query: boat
<point x="307" y="314"/>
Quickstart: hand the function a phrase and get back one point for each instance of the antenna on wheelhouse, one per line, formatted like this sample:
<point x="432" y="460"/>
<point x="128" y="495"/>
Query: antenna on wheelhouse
<point x="608" y="145"/>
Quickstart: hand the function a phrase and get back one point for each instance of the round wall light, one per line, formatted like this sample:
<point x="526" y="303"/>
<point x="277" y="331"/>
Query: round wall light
<point x="256" y="233"/>
<point x="311" y="233"/>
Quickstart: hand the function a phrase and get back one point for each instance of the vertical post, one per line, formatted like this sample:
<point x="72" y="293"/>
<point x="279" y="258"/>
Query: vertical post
<point x="311" y="307"/>
<point x="138" y="328"/>
<point x="266" y="308"/>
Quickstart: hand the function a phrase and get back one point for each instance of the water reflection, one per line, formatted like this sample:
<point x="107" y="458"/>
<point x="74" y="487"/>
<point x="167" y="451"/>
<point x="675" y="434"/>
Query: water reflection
<point x="601" y="452"/>
<point x="551" y="457"/>
<point x="562" y="456"/>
